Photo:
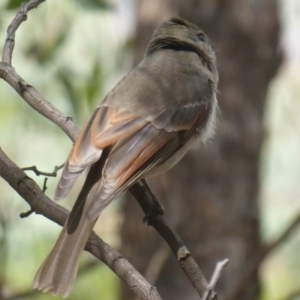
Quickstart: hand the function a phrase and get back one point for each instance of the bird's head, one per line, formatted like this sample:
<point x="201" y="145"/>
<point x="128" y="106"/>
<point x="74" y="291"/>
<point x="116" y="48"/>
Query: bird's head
<point x="180" y="35"/>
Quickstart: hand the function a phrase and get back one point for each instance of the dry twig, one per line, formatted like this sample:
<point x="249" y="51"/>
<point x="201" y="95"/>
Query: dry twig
<point x="38" y="172"/>
<point x="154" y="216"/>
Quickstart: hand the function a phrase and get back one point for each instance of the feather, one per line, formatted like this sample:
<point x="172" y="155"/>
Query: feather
<point x="58" y="272"/>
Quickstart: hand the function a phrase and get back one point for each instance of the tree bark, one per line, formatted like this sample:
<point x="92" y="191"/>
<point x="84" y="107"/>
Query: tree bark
<point x="211" y="196"/>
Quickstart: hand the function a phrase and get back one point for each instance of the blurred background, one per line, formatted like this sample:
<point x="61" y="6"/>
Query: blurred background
<point x="232" y="198"/>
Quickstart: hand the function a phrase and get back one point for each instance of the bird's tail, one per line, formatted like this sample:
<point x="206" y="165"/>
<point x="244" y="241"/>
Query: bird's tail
<point x="58" y="272"/>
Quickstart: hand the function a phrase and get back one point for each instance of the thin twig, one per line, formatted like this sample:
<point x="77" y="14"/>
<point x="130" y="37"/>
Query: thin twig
<point x="45" y="185"/>
<point x="26" y="214"/>
<point x="214" y="279"/>
<point x="38" y="172"/>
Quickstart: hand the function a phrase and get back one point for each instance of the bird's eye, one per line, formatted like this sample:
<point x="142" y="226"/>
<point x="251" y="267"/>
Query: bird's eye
<point x="201" y="37"/>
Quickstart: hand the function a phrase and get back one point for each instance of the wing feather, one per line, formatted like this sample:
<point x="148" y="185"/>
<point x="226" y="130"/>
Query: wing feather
<point x="83" y="154"/>
<point x="117" y="132"/>
<point x="141" y="152"/>
<point x="136" y="146"/>
<point x="117" y="115"/>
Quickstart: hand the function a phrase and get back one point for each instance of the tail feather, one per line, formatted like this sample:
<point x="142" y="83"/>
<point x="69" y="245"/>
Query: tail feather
<point x="66" y="181"/>
<point x="58" y="272"/>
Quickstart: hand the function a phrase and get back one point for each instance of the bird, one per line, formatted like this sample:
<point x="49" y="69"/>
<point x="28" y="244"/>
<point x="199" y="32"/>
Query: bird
<point x="162" y="108"/>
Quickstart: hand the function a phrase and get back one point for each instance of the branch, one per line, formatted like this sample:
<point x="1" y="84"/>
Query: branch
<point x="12" y="28"/>
<point x="214" y="279"/>
<point x="38" y="172"/>
<point x="27" y="92"/>
<point x="41" y="204"/>
<point x="37" y="102"/>
<point x="154" y="217"/>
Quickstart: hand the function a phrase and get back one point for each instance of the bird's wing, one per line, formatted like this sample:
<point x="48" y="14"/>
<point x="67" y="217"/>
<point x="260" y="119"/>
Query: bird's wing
<point x="141" y="124"/>
<point x="138" y="146"/>
<point x="105" y="122"/>
<point x="82" y="155"/>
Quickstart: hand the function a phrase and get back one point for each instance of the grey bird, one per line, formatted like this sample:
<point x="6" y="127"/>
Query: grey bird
<point x="144" y="126"/>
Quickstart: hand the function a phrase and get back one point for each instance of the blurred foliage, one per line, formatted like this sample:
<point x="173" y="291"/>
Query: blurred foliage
<point x="89" y="89"/>
<point x="94" y="85"/>
<point x="280" y="164"/>
<point x="44" y="52"/>
<point x="4" y="230"/>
